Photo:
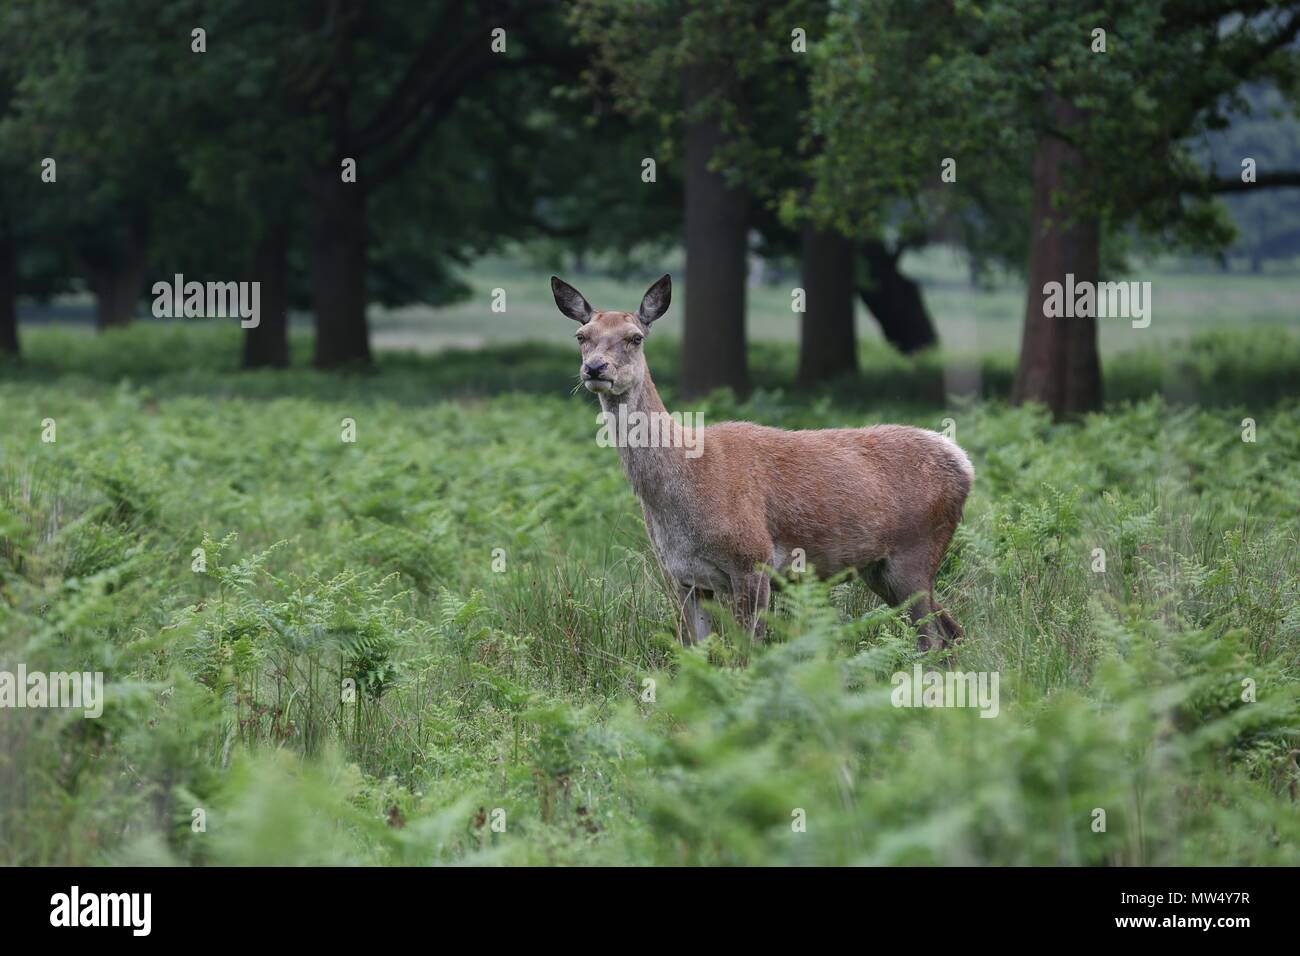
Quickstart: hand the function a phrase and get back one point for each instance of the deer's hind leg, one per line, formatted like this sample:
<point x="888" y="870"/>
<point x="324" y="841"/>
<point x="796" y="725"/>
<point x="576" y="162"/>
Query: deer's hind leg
<point x="953" y="632"/>
<point x="903" y="577"/>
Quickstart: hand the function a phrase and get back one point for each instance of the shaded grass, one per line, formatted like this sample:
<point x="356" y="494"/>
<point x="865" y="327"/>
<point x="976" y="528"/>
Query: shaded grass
<point x="1252" y="366"/>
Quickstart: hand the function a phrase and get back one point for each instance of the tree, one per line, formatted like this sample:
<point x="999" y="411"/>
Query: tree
<point x="8" y="243"/>
<point x="1059" y="365"/>
<point x="8" y="289"/>
<point x="1104" y="119"/>
<point x="677" y="65"/>
<point x="771" y="150"/>
<point x="828" y="342"/>
<point x="385" y="79"/>
<point x="34" y="256"/>
<point x="895" y="299"/>
<point x="717" y="261"/>
<point x="761" y="141"/>
<point x="1266" y="133"/>
<point x="83" y="96"/>
<point x="865" y="253"/>
<point x="347" y="157"/>
<point x="194" y="124"/>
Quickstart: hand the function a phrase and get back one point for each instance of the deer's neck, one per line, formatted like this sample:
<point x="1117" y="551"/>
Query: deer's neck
<point x="658" y="470"/>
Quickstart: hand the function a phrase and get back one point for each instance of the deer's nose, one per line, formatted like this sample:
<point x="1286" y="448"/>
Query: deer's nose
<point x="594" y="369"/>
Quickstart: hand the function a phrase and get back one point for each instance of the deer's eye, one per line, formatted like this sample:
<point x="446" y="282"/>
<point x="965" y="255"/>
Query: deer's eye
<point x="636" y="340"/>
<point x="582" y="339"/>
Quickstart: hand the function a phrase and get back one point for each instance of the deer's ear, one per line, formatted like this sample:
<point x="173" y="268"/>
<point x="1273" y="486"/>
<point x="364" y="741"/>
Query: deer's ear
<point x="656" y="300"/>
<point x="570" y="301"/>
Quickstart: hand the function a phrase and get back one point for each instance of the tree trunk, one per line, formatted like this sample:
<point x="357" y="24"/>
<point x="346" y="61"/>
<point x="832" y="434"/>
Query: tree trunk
<point x="116" y="275"/>
<point x="828" y="342"/>
<point x="267" y="345"/>
<point x="8" y="295"/>
<point x="338" y="271"/>
<point x="1059" y="363"/>
<point x="713" y="348"/>
<point x="895" y="301"/>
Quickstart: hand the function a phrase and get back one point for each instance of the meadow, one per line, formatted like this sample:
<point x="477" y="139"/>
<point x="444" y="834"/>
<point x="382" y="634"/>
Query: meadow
<point x="474" y="566"/>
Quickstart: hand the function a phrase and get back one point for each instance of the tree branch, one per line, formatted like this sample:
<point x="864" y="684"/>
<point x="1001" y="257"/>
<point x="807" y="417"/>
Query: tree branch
<point x="398" y="115"/>
<point x="1290" y="178"/>
<point x="433" y="112"/>
<point x="420" y="84"/>
<point x="416" y="71"/>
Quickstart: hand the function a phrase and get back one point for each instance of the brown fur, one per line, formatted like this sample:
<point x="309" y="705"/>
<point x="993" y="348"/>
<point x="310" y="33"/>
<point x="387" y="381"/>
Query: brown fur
<point x="883" y="500"/>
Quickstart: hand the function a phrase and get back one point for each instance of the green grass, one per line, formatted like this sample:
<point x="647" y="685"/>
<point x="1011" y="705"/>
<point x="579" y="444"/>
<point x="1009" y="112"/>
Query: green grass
<point x="969" y="320"/>
<point x="521" y="687"/>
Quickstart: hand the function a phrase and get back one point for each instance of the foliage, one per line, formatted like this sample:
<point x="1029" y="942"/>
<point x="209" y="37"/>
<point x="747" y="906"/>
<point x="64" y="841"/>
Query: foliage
<point x="901" y="86"/>
<point x="520" y="695"/>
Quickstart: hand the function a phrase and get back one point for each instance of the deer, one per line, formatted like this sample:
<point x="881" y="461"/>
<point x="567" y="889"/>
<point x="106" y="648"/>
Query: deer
<point x="883" y="501"/>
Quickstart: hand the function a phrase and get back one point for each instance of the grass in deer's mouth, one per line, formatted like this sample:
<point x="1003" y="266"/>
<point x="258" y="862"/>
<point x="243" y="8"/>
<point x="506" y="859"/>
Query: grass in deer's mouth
<point x="479" y="571"/>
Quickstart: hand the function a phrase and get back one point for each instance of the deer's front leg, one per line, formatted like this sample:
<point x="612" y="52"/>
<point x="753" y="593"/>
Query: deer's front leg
<point x="695" y="620"/>
<point x="751" y="594"/>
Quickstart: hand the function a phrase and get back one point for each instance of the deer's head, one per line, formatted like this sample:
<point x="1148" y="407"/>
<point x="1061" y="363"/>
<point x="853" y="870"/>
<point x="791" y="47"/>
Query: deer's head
<point x="612" y="360"/>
